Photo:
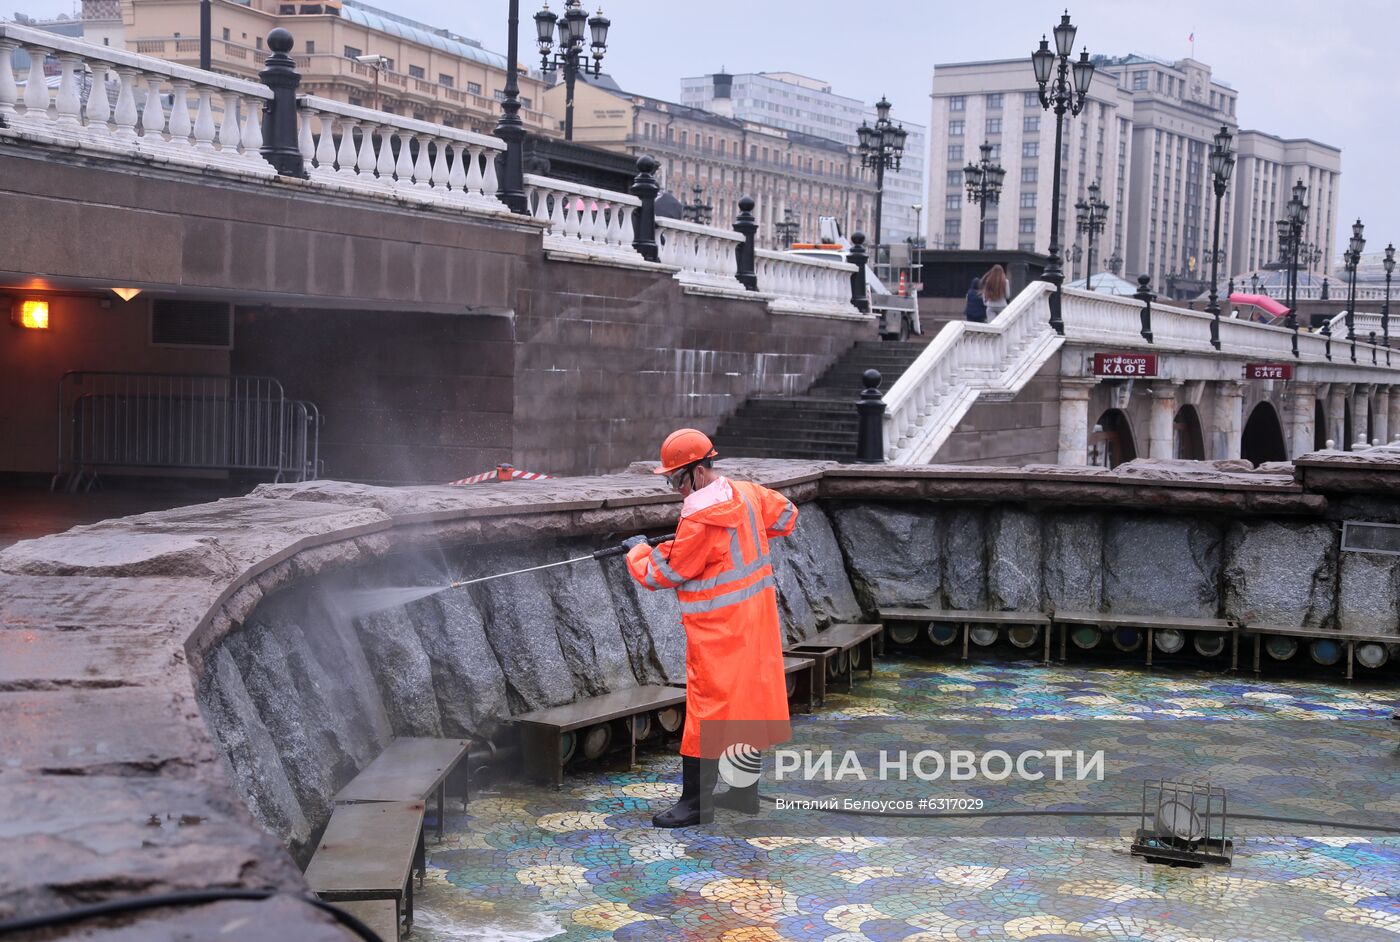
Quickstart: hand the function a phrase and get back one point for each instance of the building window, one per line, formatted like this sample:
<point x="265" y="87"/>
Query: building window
<point x="445" y="80"/>
<point x="994" y="101"/>
<point x="995" y="152"/>
<point x="954" y="178"/>
<point x="1030" y="149"/>
<point x="526" y="103"/>
<point x="258" y="43"/>
<point x="955" y="153"/>
<point x="1026" y="246"/>
<point x="474" y="88"/>
<point x="310" y="46"/>
<point x="416" y="71"/>
<point x="1030" y="174"/>
<point x="952" y="229"/>
<point x="1028" y="226"/>
<point x="957" y="103"/>
<point x="227" y="35"/>
<point x="993" y="125"/>
<point x="954" y="200"/>
<point x="352" y="53"/>
<point x="1028" y="200"/>
<point x="1031" y="124"/>
<point x="1139" y="81"/>
<point x="955" y="128"/>
<point x="1032" y="100"/>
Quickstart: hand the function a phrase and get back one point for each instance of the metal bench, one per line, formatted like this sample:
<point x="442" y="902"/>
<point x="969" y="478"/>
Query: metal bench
<point x="1349" y="638"/>
<point x="968" y="618"/>
<point x="409" y="769"/>
<point x="378" y="914"/>
<point x="820" y="657"/>
<point x="1150" y="624"/>
<point x="542" y="731"/>
<point x="801" y="674"/>
<point x="367" y="853"/>
<point x="854" y="641"/>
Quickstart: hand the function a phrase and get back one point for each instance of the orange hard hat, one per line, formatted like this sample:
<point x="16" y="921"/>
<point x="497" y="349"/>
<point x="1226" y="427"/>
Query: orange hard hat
<point x="682" y="447"/>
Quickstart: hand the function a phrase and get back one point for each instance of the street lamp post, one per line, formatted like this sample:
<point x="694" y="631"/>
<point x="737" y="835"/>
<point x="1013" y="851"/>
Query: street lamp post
<point x="880" y="147"/>
<point x="787" y="229"/>
<point x="984" y="181"/>
<point x="1222" y="163"/>
<point x="570" y="26"/>
<point x="1115" y="263"/>
<point x="1291" y="249"/>
<point x="1389" y="264"/>
<point x="697" y="211"/>
<point x="1353" y="260"/>
<point x="1092" y="214"/>
<point x="509" y="127"/>
<point x="1053" y="69"/>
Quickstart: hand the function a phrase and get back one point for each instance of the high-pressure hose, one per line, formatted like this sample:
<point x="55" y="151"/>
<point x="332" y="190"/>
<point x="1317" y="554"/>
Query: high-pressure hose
<point x="617" y="550"/>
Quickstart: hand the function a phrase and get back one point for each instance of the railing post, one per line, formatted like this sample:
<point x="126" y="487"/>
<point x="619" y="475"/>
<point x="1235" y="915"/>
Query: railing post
<point x="870" y="429"/>
<point x="280" y="146"/>
<point x="1145" y="295"/>
<point x="645" y="188"/>
<point x="859" y="300"/>
<point x="747" y="226"/>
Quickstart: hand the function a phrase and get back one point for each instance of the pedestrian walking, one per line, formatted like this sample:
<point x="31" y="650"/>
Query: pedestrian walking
<point x="975" y="309"/>
<point x="994" y="290"/>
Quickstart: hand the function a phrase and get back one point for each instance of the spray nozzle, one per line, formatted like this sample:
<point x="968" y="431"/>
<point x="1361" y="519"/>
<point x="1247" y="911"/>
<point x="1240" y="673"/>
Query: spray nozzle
<point x="620" y="549"/>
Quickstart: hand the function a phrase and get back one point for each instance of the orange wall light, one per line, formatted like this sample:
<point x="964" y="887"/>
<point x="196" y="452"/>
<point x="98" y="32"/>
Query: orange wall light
<point x="32" y="313"/>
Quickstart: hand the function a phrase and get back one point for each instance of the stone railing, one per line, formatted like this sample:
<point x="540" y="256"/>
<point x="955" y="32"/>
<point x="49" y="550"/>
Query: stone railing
<point x="804" y="284"/>
<point x="583" y="221"/>
<point x="112" y="102"/>
<point x="1336" y="291"/>
<point x="703" y="255"/>
<point x="1366" y="321"/>
<point x="963" y="362"/>
<point x="359" y="149"/>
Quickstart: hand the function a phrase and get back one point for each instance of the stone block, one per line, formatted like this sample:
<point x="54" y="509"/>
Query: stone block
<point x="1014" y="561"/>
<point x="1368" y="597"/>
<point x="1281" y="573"/>
<point x="964" y="532"/>
<point x="1162" y="566"/>
<point x="892" y="553"/>
<point x="1072" y="563"/>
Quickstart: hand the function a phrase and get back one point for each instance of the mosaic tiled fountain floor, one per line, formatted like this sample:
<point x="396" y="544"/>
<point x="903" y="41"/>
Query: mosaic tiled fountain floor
<point x="584" y="863"/>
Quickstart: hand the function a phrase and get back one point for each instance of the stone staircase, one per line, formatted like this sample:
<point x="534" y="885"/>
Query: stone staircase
<point x="819" y="424"/>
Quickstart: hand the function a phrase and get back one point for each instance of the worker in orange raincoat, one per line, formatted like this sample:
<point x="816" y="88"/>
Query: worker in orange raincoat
<point x="719" y="566"/>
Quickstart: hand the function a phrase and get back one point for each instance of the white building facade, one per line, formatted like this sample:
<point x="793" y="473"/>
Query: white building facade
<point x="809" y="106"/>
<point x="1145" y="136"/>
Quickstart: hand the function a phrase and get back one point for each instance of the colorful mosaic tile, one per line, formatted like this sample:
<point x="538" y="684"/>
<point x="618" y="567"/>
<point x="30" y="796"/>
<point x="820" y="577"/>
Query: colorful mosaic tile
<point x="583" y="863"/>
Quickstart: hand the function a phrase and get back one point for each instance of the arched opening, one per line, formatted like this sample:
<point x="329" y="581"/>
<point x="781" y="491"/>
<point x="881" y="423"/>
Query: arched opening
<point x="1319" y="425"/>
<point x="1347" y="437"/>
<point x="1111" y="442"/>
<point x="1263" y="436"/>
<point x="1189" y="444"/>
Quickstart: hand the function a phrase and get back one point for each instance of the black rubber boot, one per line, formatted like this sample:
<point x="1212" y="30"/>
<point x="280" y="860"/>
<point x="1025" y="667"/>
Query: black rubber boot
<point x="742" y="800"/>
<point x="696" y="805"/>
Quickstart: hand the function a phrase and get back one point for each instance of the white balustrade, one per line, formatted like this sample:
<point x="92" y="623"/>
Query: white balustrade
<point x="358" y="149"/>
<point x="805" y="284"/>
<point x="706" y="256"/>
<point x="117" y="103"/>
<point x="583" y="220"/>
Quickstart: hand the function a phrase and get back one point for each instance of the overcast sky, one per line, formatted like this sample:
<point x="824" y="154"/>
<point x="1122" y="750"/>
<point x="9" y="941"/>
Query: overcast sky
<point x="1303" y="68"/>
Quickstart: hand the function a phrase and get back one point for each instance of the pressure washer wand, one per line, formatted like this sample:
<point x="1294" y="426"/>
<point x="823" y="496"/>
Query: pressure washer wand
<point x="597" y="554"/>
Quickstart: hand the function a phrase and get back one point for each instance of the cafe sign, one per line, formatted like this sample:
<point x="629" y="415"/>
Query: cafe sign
<point x="1268" y="371"/>
<point x="1125" y="364"/>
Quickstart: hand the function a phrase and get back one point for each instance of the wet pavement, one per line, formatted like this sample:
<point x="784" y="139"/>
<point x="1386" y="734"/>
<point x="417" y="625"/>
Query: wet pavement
<point x="583" y="863"/>
<point x="30" y="512"/>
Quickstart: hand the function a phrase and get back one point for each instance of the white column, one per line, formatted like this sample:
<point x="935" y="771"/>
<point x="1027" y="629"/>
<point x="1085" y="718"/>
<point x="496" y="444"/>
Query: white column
<point x="1382" y="420"/>
<point x="1302" y="418"/>
<point x="1336" y="415"/>
<point x="1360" y="414"/>
<point x="1074" y="421"/>
<point x="1160" y="440"/>
<point x="1394" y="421"/>
<point x="1229" y="419"/>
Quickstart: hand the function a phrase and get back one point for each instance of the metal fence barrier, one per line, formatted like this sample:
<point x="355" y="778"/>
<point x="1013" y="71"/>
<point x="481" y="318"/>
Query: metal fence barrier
<point x="185" y="421"/>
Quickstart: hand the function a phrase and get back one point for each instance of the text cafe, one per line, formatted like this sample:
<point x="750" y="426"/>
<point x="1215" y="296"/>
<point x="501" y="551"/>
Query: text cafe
<point x="1125" y="364"/>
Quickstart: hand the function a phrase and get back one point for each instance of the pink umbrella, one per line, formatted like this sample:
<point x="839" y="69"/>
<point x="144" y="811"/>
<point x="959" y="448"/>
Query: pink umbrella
<point x="1261" y="301"/>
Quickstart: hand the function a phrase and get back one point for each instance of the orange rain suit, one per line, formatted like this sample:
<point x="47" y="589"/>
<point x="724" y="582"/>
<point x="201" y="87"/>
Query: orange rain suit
<point x="723" y="576"/>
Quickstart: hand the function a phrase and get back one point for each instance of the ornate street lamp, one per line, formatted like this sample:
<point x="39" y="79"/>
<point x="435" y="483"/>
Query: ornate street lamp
<point x="1389" y="264"/>
<point x="1291" y="249"/>
<point x="1115" y="263"/>
<point x="1222" y="164"/>
<point x="1092" y="214"/>
<point x="786" y="229"/>
<point x="1254" y="282"/>
<point x="1353" y="259"/>
<point x="570" y="25"/>
<point x="881" y="147"/>
<point x="697" y="211"/>
<point x="984" y="180"/>
<point x="1053" y="72"/>
<point x="509" y="127"/>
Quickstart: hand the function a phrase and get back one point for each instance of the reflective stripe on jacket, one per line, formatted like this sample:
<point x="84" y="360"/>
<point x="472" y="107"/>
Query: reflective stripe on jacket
<point x="720" y="567"/>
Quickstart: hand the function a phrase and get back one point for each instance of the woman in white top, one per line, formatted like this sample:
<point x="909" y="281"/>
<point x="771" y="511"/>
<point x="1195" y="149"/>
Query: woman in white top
<point x="994" y="291"/>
